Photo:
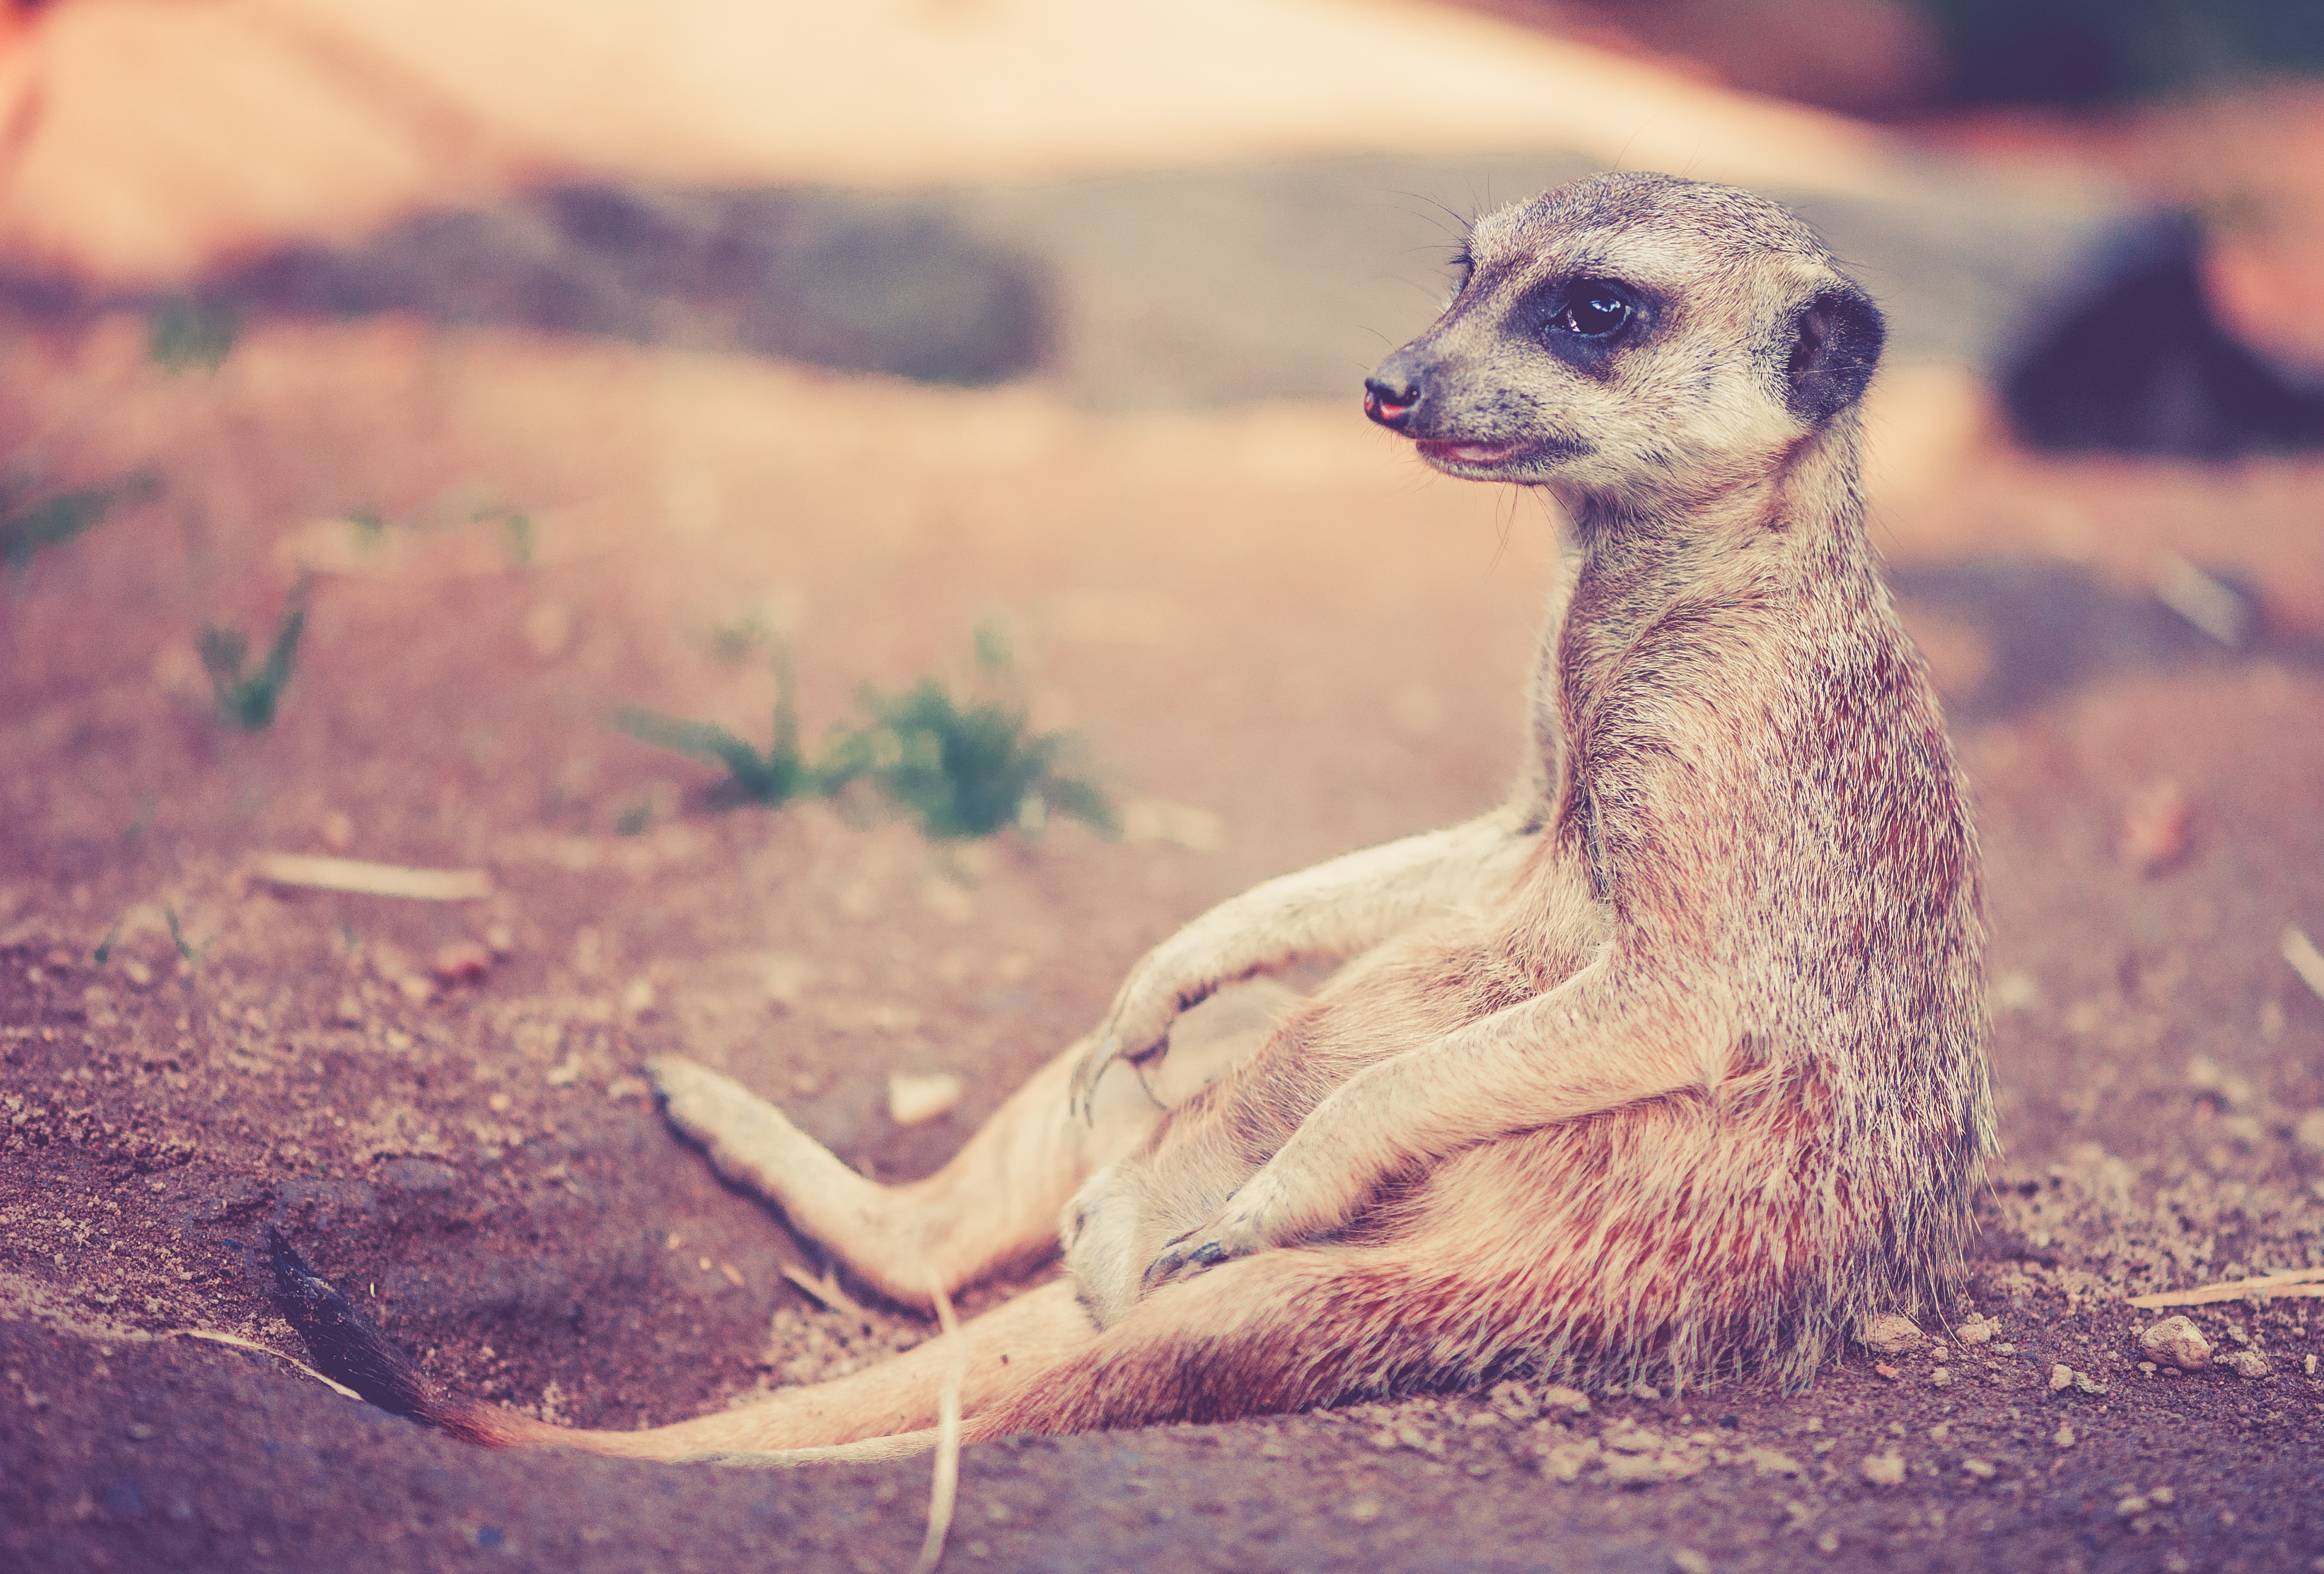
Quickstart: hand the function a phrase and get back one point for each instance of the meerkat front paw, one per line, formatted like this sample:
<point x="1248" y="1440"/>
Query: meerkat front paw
<point x="1240" y="1230"/>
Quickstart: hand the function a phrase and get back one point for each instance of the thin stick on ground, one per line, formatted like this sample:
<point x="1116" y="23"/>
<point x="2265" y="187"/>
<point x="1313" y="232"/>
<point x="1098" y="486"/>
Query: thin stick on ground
<point x="2295" y="1283"/>
<point x="825" y="1292"/>
<point x="2305" y="959"/>
<point x="214" y="1336"/>
<point x="315" y="872"/>
<point x="946" y="1488"/>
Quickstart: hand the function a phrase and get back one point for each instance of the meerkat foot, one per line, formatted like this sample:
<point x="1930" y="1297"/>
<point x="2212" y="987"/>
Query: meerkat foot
<point x="730" y="1121"/>
<point x="1235" y="1232"/>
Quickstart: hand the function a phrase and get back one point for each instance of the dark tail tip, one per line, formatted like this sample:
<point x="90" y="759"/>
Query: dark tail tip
<point x="345" y="1344"/>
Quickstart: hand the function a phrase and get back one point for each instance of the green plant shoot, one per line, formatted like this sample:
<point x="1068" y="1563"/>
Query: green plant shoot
<point x="776" y="776"/>
<point x="249" y="700"/>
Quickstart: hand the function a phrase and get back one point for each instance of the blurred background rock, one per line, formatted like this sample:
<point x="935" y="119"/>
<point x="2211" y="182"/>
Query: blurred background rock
<point x="984" y="190"/>
<point x="1901" y="60"/>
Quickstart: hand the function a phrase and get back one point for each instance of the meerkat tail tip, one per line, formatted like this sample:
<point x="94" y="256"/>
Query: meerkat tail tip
<point x="348" y="1347"/>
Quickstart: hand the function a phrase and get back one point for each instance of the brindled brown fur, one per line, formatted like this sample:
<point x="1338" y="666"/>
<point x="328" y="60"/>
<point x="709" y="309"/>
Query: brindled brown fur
<point x="1671" y="1067"/>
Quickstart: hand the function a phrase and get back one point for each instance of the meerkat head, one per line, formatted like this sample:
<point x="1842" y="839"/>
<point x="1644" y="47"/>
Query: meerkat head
<point x="1632" y="336"/>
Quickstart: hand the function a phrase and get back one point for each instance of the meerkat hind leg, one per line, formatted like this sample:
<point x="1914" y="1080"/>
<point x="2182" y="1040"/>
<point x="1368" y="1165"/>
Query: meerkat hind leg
<point x="997" y="1201"/>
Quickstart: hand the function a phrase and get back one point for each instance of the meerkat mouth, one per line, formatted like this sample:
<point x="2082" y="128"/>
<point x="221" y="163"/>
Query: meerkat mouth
<point x="1471" y="455"/>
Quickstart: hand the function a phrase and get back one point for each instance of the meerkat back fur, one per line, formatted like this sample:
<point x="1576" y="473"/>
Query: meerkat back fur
<point x="1670" y="1067"/>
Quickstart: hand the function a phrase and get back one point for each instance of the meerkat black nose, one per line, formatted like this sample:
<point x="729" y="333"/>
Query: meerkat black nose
<point x="1389" y="399"/>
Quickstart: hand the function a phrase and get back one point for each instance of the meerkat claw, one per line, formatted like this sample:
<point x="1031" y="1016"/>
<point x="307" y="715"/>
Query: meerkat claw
<point x="1187" y="1257"/>
<point x="1222" y="1240"/>
<point x="1082" y="1098"/>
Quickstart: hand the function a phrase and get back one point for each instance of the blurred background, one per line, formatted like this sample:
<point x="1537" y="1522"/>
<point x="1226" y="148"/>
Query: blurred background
<point x="502" y="440"/>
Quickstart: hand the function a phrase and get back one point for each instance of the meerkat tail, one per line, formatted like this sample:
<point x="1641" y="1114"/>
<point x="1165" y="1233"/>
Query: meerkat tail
<point x="349" y="1348"/>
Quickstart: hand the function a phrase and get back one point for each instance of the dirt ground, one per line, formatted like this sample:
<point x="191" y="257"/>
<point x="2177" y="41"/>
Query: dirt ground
<point x="1278" y="641"/>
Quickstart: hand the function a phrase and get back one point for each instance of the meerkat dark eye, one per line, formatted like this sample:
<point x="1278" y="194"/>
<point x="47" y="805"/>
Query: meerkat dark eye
<point x="1464" y="268"/>
<point x="1594" y="311"/>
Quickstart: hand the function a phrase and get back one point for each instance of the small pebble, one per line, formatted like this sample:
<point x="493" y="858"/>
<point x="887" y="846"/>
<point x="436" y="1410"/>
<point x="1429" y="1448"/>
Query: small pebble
<point x="1893" y="1334"/>
<point x="2247" y="1363"/>
<point x="1977" y="1330"/>
<point x="1364" y="1510"/>
<point x="463" y="962"/>
<point x="1569" y="1399"/>
<point x="1687" y="1560"/>
<point x="2061" y="1378"/>
<point x="1884" y="1469"/>
<point x="2177" y="1343"/>
<point x="1981" y="1469"/>
<point x="2155" y="829"/>
<point x="2065" y="1435"/>
<point x="1942" y="1378"/>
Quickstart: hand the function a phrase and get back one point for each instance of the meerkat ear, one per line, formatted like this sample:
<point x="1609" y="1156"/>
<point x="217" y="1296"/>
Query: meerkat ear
<point x="1836" y="342"/>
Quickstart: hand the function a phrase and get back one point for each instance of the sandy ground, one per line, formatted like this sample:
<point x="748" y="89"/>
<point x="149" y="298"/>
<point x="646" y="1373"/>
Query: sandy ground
<point x="1275" y="636"/>
<point x="1266" y="616"/>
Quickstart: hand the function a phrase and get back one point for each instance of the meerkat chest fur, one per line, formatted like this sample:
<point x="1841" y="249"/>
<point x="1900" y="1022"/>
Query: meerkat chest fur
<point x="1741" y="755"/>
<point x="1754" y="775"/>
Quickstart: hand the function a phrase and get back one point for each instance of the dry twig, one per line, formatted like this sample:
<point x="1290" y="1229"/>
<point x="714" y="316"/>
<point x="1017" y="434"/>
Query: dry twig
<point x="213" y="1335"/>
<point x="946" y="1488"/>
<point x="2297" y="1283"/>
<point x="316" y="873"/>
<point x="825" y="1292"/>
<point x="2305" y="959"/>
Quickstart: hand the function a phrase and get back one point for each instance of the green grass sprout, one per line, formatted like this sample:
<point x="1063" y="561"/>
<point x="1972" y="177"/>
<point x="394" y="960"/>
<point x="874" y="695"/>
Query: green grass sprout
<point x="249" y="698"/>
<point x="960" y="767"/>
<point x="105" y="947"/>
<point x="28" y="529"/>
<point x="186" y="335"/>
<point x="967" y="767"/>
<point x="963" y="769"/>
<point x="178" y="937"/>
<point x="774" y="777"/>
<point x="519" y="538"/>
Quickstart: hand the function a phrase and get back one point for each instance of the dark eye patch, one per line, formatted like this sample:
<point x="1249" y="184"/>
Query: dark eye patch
<point x="1582" y="321"/>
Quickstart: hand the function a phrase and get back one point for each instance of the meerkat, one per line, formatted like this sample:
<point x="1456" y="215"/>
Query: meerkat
<point x="1672" y="1065"/>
